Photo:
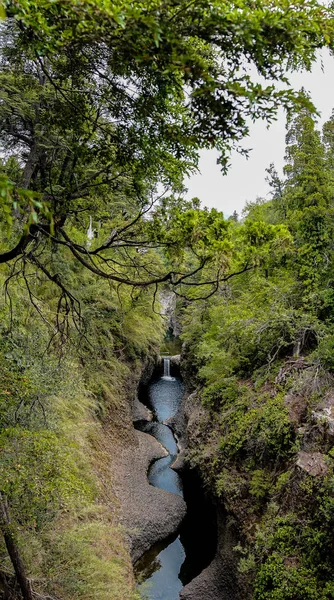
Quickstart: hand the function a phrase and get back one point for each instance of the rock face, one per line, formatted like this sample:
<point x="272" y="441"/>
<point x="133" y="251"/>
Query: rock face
<point x="184" y="424"/>
<point x="141" y="412"/>
<point x="175" y="360"/>
<point x="324" y="415"/>
<point x="148" y="514"/>
<point x="312" y="462"/>
<point x="218" y="580"/>
<point x="168" y="303"/>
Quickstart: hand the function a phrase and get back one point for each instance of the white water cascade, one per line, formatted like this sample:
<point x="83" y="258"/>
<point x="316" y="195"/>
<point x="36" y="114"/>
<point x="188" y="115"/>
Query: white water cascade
<point x="167" y="366"/>
<point x="166" y="375"/>
<point x="90" y="232"/>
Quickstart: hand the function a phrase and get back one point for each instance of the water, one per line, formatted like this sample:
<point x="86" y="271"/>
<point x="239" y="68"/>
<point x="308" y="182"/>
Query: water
<point x="160" y="567"/>
<point x="159" y="474"/>
<point x="164" y="397"/>
<point x="171" y="564"/>
<point x="166" y="375"/>
<point x="163" y="583"/>
<point x="166" y="366"/>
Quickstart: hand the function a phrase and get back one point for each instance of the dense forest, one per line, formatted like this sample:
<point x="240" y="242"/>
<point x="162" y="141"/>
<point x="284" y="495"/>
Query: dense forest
<point x="104" y="108"/>
<point x="263" y="350"/>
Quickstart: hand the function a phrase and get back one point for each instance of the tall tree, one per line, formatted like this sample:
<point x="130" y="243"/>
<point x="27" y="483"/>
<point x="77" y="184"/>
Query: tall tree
<point x="308" y="198"/>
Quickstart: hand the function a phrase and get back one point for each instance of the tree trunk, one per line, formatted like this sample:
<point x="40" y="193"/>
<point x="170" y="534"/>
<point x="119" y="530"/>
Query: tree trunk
<point x="13" y="551"/>
<point x="30" y="166"/>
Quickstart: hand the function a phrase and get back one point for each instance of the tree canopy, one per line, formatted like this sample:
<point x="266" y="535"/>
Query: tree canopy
<point x="105" y="106"/>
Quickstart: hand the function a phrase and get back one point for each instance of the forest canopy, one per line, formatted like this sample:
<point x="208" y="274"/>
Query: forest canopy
<point x="104" y="108"/>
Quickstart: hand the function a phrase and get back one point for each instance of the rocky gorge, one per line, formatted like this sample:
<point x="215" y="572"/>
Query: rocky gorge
<point x="197" y="438"/>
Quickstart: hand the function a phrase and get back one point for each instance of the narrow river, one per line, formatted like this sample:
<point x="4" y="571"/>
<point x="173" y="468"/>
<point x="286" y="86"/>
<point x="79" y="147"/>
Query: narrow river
<point x="169" y="565"/>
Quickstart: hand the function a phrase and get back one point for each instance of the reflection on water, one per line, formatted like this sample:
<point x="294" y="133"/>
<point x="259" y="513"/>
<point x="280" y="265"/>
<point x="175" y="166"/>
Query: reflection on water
<point x="164" y="583"/>
<point x="164" y="397"/>
<point x="161" y="432"/>
<point x="159" y="474"/>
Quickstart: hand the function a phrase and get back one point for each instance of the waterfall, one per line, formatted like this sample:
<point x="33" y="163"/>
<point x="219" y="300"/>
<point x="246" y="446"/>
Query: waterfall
<point x="166" y="376"/>
<point x="90" y="232"/>
<point x="167" y="367"/>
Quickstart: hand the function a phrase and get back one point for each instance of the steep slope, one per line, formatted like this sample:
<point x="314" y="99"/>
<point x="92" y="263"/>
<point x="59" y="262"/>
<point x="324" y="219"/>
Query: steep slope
<point x="66" y="400"/>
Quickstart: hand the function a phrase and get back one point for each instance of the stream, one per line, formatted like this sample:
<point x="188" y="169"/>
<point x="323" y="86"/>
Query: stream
<point x="169" y="565"/>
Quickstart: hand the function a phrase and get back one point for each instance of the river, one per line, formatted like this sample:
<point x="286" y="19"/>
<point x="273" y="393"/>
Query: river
<point x="169" y="565"/>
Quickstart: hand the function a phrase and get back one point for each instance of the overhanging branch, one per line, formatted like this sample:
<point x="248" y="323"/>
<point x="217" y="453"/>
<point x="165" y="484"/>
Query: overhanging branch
<point x="18" y="249"/>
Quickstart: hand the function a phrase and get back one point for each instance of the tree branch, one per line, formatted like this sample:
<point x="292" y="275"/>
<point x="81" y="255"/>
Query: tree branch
<point x="13" y="550"/>
<point x="18" y="249"/>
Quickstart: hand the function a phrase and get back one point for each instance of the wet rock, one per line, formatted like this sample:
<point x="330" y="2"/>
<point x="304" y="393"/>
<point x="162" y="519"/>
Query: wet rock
<point x="209" y="584"/>
<point x="179" y="463"/>
<point x="141" y="412"/>
<point x="219" y="580"/>
<point x="175" y="360"/>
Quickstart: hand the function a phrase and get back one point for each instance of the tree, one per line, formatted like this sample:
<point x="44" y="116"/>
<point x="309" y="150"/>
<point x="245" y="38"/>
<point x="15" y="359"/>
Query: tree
<point x="328" y="141"/>
<point x="308" y="198"/>
<point x="234" y="217"/>
<point x="100" y="105"/>
<point x="13" y="550"/>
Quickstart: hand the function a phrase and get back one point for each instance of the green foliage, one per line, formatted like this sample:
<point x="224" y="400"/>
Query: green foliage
<point x="260" y="484"/>
<point x="289" y="583"/>
<point x="263" y="353"/>
<point x="20" y="201"/>
<point x="221" y="392"/>
<point x="296" y="549"/>
<point x="144" y="46"/>
<point x="305" y="201"/>
<point x="325" y="352"/>
<point x="259" y="428"/>
<point x="55" y="387"/>
<point x="104" y="103"/>
<point x="252" y="326"/>
<point x="101" y="104"/>
<point x="41" y="472"/>
<point x="95" y="552"/>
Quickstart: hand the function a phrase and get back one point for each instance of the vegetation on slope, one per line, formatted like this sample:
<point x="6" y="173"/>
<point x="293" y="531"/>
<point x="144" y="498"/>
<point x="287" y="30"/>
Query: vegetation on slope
<point x="54" y="405"/>
<point x="101" y="105"/>
<point x="263" y="351"/>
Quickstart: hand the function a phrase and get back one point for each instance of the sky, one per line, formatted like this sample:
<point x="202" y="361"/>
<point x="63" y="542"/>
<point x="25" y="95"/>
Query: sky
<point x="245" y="180"/>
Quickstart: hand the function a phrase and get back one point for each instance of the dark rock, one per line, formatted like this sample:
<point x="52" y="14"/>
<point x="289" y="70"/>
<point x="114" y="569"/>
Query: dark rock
<point x="175" y="360"/>
<point x="219" y="580"/>
<point x="140" y="412"/>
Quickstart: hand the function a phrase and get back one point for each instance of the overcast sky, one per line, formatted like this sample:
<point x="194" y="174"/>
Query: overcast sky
<point x="246" y="178"/>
